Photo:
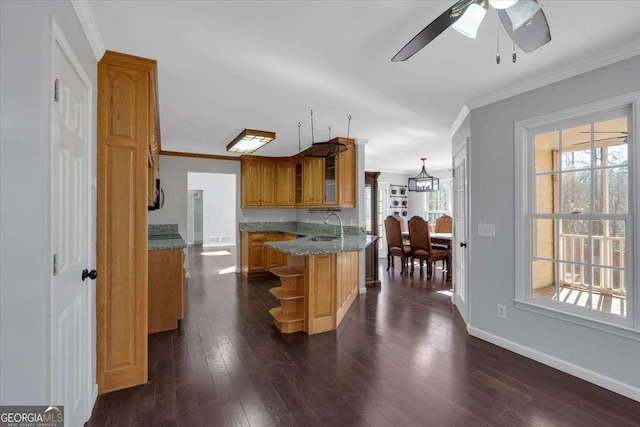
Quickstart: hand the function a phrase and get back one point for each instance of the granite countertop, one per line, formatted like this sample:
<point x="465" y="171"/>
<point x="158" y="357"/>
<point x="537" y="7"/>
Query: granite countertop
<point x="300" y="228"/>
<point x="165" y="236"/>
<point x="304" y="246"/>
<point x="355" y="238"/>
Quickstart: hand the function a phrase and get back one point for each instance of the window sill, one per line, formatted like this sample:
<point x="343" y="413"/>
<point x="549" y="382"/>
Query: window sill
<point x="610" y="328"/>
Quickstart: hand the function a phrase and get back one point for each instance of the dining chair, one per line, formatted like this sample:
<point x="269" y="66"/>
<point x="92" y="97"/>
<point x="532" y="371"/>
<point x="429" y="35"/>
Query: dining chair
<point x="421" y="248"/>
<point x="395" y="244"/>
<point x="444" y="224"/>
<point x="403" y="229"/>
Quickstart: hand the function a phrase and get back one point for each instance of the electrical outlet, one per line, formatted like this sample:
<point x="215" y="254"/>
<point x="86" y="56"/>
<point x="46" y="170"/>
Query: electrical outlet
<point x="176" y="198"/>
<point x="502" y="311"/>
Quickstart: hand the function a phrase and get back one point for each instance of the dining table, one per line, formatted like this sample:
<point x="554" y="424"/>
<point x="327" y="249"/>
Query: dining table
<point x="444" y="239"/>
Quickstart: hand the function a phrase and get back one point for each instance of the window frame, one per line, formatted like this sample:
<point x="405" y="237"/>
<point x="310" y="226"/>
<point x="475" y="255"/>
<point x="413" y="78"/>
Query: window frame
<point x="524" y="210"/>
<point x="446" y="186"/>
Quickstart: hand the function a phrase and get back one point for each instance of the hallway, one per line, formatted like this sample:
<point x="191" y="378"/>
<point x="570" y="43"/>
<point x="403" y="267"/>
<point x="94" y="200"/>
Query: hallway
<point x="401" y="357"/>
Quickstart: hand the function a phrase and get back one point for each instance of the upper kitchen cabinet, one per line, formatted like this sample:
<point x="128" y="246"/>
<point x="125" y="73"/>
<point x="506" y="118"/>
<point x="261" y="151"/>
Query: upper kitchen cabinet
<point x="330" y="178"/>
<point x="127" y="126"/>
<point x="300" y="181"/>
<point x="258" y="182"/>
<point x="284" y="183"/>
<point x="313" y="181"/>
<point x="298" y="189"/>
<point x="347" y="169"/>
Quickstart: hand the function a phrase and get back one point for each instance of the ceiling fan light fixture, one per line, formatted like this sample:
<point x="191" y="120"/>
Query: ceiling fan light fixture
<point x="502" y="4"/>
<point x="470" y="21"/>
<point x="521" y="12"/>
<point x="250" y="140"/>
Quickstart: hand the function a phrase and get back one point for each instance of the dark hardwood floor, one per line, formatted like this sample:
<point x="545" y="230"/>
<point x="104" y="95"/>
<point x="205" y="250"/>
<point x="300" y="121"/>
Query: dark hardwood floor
<point x="401" y="357"/>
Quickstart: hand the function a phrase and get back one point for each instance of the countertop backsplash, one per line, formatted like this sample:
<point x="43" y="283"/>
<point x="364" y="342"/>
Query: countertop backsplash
<point x="162" y="229"/>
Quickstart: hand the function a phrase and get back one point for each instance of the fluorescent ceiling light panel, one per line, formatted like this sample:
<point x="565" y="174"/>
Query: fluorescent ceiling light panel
<point x="250" y="140"/>
<point x="470" y="21"/>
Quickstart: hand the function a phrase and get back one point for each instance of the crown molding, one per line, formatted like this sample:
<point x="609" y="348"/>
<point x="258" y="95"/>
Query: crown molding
<point x="361" y="141"/>
<point x="464" y="112"/>
<point x="581" y="67"/>
<point x="83" y="10"/>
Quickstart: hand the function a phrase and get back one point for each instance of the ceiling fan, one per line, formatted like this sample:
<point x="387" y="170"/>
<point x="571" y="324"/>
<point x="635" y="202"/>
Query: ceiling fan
<point x="622" y="138"/>
<point x="524" y="21"/>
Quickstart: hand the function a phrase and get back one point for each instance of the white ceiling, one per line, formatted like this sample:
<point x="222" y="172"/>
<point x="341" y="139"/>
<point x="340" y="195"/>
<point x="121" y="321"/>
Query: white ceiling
<point x="229" y="65"/>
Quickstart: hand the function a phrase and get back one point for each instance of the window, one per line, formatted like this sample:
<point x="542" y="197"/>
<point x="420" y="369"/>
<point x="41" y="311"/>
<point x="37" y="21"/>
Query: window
<point x="437" y="202"/>
<point x="575" y="218"/>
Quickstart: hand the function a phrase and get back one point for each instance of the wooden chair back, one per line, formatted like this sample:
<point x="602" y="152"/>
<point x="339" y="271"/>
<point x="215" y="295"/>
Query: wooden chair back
<point x="444" y="224"/>
<point x="403" y="225"/>
<point x="419" y="235"/>
<point x="393" y="230"/>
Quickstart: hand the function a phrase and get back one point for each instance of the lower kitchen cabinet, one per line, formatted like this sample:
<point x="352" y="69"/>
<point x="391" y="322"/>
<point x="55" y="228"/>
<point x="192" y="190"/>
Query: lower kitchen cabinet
<point x="255" y="257"/>
<point x="166" y="289"/>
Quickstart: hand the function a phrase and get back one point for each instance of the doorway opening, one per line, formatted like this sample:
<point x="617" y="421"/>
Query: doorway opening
<point x="211" y="219"/>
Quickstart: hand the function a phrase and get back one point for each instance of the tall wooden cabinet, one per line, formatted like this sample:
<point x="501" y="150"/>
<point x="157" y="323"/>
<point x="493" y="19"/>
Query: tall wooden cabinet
<point x="126" y="125"/>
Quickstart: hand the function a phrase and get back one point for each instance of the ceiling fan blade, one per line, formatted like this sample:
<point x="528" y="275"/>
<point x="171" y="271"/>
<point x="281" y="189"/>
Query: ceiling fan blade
<point x="621" y="138"/>
<point x="430" y="32"/>
<point x="532" y="34"/>
<point x="623" y="132"/>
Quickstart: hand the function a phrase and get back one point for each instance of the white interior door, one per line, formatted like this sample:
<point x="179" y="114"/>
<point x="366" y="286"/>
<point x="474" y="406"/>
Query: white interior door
<point x="460" y="233"/>
<point x="70" y="323"/>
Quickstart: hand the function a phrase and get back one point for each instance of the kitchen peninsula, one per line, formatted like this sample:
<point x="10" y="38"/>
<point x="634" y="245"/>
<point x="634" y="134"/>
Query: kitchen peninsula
<point x="319" y="276"/>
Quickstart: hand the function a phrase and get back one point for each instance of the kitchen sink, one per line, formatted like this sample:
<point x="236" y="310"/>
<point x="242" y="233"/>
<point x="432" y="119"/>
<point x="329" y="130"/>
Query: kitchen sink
<point x="323" y="238"/>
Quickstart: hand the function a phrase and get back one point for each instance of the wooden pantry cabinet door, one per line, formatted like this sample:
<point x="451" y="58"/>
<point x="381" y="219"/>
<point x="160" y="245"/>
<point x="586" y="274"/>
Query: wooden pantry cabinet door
<point x="121" y="250"/>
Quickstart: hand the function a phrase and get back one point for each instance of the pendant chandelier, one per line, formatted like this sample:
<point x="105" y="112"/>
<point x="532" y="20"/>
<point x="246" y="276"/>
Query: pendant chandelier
<point x="424" y="182"/>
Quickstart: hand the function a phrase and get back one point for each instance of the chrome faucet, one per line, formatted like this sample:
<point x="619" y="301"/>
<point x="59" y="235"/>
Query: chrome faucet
<point x="326" y="221"/>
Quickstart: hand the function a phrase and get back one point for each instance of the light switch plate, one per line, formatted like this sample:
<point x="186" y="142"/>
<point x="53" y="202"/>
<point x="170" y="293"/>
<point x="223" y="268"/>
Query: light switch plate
<point x="176" y="198"/>
<point x="487" y="230"/>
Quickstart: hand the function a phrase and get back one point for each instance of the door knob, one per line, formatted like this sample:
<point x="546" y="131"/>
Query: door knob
<point x="90" y="274"/>
<point x="463" y="245"/>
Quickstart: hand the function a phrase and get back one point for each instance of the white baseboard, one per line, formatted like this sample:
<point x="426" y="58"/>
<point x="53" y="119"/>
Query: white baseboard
<point x="362" y="290"/>
<point x="562" y="365"/>
<point x="217" y="245"/>
<point x="92" y="400"/>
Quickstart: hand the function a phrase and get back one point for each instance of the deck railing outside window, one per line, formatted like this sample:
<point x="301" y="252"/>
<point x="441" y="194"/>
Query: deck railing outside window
<point x="607" y="251"/>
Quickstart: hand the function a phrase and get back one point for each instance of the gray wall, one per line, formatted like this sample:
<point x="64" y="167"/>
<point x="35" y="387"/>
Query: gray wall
<point x="25" y="176"/>
<point x="491" y="265"/>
